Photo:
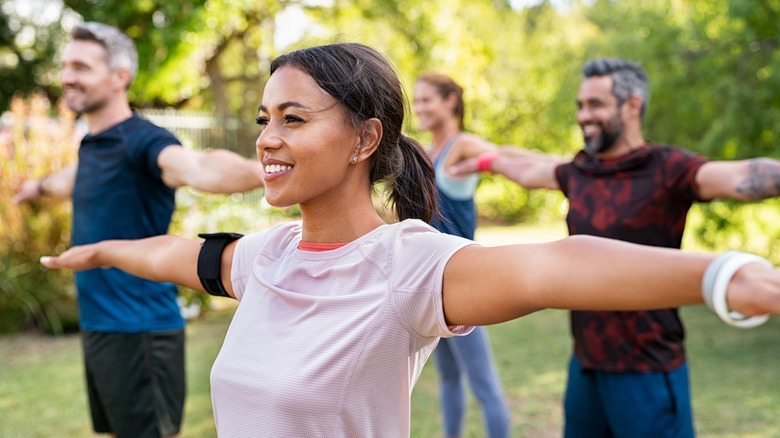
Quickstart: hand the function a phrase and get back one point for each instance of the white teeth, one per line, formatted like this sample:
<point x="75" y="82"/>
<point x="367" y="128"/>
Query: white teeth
<point x="589" y="129"/>
<point x="273" y="168"/>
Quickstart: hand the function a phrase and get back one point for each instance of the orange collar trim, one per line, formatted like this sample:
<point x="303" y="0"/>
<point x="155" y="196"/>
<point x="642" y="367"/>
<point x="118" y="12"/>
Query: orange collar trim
<point x="319" y="247"/>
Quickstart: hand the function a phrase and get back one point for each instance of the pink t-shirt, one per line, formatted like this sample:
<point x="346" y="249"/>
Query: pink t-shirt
<point x="330" y="343"/>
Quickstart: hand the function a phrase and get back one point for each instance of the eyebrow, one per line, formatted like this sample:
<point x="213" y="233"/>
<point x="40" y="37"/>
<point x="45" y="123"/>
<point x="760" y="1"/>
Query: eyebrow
<point x="590" y="100"/>
<point x="284" y="106"/>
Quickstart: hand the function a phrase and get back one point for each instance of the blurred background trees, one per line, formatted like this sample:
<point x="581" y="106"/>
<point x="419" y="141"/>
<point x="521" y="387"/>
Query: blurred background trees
<point x="713" y="70"/>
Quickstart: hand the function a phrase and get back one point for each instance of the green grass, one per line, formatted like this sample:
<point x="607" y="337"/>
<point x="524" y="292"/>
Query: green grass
<point x="42" y="389"/>
<point x="735" y="376"/>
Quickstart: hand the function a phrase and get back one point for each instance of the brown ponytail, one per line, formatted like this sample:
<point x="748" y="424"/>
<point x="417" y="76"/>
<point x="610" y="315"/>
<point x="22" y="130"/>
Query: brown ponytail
<point x="413" y="185"/>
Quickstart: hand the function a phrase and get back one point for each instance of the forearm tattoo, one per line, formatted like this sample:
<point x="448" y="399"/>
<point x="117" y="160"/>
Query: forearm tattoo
<point x="763" y="181"/>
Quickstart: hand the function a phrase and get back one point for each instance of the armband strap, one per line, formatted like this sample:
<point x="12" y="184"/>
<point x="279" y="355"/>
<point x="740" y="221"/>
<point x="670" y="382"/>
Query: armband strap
<point x="210" y="261"/>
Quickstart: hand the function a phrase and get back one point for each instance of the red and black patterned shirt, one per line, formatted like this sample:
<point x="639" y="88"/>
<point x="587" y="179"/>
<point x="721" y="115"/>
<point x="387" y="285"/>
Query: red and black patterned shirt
<point x="644" y="198"/>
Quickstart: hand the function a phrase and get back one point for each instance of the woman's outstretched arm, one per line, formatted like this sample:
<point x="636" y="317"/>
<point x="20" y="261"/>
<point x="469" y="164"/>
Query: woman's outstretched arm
<point x="488" y="285"/>
<point x="163" y="258"/>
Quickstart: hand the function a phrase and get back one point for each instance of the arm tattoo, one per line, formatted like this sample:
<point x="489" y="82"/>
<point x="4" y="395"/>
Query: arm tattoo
<point x="763" y="180"/>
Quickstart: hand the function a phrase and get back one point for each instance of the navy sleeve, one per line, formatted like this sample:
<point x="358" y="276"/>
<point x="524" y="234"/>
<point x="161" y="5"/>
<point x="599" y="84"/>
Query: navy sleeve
<point x="149" y="141"/>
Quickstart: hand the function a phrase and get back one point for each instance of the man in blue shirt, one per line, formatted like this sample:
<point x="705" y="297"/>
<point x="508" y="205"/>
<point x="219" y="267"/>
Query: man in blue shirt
<point x="123" y="188"/>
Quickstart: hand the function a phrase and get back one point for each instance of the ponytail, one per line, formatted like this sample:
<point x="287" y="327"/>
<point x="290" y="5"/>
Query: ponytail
<point x="414" y="183"/>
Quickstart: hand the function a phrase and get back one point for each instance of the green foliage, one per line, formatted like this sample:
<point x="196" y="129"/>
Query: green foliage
<point x="28" y="42"/>
<point x="504" y="202"/>
<point x="35" y="145"/>
<point x="723" y="225"/>
<point x="194" y="53"/>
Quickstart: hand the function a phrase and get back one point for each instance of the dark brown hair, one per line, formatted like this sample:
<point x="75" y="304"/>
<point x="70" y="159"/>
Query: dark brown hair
<point x="366" y="84"/>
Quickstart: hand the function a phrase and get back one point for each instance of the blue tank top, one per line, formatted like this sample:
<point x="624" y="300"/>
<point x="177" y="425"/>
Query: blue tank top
<point x="455" y="197"/>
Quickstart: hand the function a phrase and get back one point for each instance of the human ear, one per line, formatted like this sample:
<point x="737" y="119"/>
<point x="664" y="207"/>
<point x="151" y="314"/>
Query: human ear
<point x="122" y="77"/>
<point x="370" y="136"/>
<point x="452" y="100"/>
<point x="634" y="105"/>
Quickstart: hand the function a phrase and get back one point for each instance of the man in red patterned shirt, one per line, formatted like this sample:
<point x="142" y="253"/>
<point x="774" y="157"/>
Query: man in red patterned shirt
<point x="628" y="376"/>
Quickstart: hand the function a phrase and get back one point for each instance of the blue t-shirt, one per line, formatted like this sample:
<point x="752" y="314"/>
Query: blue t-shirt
<point x="119" y="194"/>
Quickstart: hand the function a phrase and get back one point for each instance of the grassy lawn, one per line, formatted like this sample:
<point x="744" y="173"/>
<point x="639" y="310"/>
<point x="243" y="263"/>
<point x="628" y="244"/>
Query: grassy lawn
<point x="735" y="376"/>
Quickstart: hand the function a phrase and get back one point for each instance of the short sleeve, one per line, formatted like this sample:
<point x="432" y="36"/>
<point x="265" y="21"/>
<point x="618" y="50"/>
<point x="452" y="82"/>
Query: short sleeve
<point x="420" y="255"/>
<point x="680" y="167"/>
<point x="244" y="255"/>
<point x="562" y="176"/>
<point x="147" y="140"/>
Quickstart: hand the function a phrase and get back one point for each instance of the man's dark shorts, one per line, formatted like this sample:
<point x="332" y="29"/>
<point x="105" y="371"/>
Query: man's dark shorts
<point x="135" y="382"/>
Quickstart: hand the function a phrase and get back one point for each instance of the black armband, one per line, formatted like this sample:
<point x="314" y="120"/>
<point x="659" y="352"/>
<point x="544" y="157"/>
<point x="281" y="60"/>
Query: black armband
<point x="210" y="261"/>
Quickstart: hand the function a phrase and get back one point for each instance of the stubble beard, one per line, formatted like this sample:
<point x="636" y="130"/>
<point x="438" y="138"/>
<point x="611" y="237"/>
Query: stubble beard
<point x="85" y="105"/>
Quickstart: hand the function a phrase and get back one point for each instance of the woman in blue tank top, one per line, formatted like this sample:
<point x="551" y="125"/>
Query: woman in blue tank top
<point x="438" y="105"/>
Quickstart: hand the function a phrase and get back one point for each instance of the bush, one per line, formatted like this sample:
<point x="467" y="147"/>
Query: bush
<point x="725" y="224"/>
<point x="40" y="139"/>
<point x="500" y="201"/>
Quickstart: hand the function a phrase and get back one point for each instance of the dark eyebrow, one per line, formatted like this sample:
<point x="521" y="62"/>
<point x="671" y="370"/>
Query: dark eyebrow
<point x="590" y="100"/>
<point x="284" y="106"/>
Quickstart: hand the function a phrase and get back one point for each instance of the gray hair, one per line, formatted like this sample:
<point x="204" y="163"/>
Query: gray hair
<point x="627" y="78"/>
<point x="120" y="49"/>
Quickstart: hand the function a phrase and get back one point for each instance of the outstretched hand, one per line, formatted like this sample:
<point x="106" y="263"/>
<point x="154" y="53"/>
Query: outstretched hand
<point x="755" y="290"/>
<point x="77" y="258"/>
<point x="28" y="191"/>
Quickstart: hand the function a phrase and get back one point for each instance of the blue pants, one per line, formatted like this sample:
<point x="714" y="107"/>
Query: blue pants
<point x="603" y="404"/>
<point x="471" y="355"/>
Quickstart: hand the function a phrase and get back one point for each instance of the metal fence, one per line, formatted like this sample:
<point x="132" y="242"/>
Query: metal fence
<point x="201" y="130"/>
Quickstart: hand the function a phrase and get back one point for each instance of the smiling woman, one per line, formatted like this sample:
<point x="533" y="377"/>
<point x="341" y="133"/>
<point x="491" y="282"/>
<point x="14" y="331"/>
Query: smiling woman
<point x="339" y="311"/>
<point x="304" y="131"/>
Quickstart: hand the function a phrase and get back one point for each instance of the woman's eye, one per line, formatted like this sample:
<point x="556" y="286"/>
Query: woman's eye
<point x="292" y="119"/>
<point x="262" y="121"/>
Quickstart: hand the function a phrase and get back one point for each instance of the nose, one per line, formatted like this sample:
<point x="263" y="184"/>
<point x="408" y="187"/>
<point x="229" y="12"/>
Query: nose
<point x="268" y="139"/>
<point x="583" y="115"/>
<point x="67" y="76"/>
<point x="417" y="108"/>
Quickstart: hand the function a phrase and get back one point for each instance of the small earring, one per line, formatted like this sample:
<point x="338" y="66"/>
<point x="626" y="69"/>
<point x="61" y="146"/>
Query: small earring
<point x="354" y="159"/>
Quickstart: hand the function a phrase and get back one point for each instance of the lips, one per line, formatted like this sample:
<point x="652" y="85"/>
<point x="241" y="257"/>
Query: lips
<point x="274" y="169"/>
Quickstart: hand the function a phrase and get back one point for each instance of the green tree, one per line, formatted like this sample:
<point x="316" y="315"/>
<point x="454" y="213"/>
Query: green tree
<point x="28" y="43"/>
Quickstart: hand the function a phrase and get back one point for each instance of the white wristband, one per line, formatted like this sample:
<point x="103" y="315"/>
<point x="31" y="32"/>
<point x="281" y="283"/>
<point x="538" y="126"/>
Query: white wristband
<point x="716" y="280"/>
